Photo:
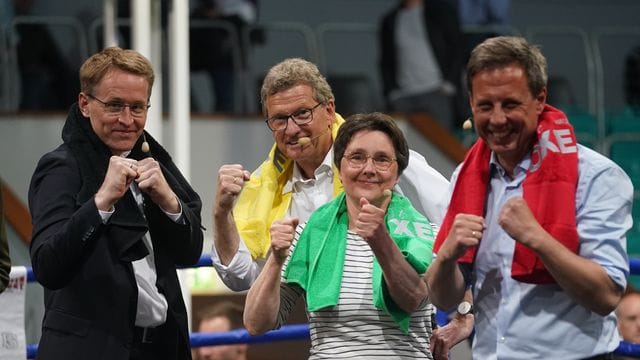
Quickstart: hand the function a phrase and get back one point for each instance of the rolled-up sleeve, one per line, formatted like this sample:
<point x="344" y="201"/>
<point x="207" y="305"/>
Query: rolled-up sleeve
<point x="603" y="214"/>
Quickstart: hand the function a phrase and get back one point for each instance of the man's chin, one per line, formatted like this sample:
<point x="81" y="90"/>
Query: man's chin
<point x="502" y="148"/>
<point x="121" y="147"/>
<point x="294" y="153"/>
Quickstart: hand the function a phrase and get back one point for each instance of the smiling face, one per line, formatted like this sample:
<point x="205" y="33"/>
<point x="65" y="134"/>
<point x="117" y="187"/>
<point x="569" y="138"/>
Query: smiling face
<point x="292" y="100"/>
<point x="118" y="131"/>
<point x="368" y="181"/>
<point x="505" y="112"/>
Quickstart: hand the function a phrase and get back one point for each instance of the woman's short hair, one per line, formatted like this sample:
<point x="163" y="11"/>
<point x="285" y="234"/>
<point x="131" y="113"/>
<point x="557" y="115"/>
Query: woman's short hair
<point x="375" y="121"/>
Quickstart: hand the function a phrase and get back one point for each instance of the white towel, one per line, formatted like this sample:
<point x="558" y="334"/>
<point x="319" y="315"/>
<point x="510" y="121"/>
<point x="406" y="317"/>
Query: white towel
<point x="12" y="335"/>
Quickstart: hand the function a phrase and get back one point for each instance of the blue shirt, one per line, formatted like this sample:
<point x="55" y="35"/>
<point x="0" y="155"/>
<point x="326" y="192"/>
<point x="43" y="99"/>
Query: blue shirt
<point x="484" y="12"/>
<point x="516" y="320"/>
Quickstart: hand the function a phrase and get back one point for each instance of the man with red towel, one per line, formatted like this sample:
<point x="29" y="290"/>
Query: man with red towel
<point x="536" y="224"/>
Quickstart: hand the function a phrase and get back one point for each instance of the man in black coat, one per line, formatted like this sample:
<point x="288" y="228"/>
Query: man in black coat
<point x="112" y="218"/>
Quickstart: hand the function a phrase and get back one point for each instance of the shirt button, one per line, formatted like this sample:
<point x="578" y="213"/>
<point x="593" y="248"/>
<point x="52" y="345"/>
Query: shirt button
<point x="502" y="339"/>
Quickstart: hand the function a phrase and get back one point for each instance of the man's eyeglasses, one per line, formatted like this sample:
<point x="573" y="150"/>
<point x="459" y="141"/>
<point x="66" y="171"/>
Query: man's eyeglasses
<point x="300" y="117"/>
<point x="117" y="107"/>
<point x="358" y="160"/>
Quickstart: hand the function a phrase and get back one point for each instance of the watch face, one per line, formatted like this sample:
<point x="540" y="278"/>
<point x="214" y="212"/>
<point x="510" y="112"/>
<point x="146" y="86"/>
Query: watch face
<point x="464" y="308"/>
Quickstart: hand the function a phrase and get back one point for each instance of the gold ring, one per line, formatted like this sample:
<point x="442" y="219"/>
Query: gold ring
<point x="474" y="233"/>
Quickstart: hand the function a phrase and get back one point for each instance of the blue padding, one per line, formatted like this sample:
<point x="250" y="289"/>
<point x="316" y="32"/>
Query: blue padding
<point x="628" y="349"/>
<point x="287" y="332"/>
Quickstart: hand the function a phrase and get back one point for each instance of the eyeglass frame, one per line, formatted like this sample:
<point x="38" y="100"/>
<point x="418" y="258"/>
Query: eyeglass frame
<point x="123" y="105"/>
<point x="292" y="117"/>
<point x="376" y="165"/>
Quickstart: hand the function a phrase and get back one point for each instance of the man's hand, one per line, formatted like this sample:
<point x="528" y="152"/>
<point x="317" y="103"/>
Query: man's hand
<point x="518" y="221"/>
<point x="231" y="179"/>
<point x="466" y="231"/>
<point x="282" y="233"/>
<point x="151" y="181"/>
<point x="444" y="338"/>
<point x="120" y="173"/>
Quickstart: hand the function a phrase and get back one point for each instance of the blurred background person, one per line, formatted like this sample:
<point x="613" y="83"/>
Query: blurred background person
<point x="482" y="19"/>
<point x="628" y="313"/>
<point x="47" y="80"/>
<point x="212" y="48"/>
<point x="421" y="58"/>
<point x="632" y="79"/>
<point x="220" y="317"/>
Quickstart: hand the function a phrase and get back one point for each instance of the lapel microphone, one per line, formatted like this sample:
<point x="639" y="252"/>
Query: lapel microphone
<point x="306" y="139"/>
<point x="467" y="124"/>
<point x="145" y="145"/>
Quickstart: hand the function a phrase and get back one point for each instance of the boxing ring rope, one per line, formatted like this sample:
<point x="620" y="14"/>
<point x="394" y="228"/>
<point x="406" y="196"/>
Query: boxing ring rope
<point x="301" y="331"/>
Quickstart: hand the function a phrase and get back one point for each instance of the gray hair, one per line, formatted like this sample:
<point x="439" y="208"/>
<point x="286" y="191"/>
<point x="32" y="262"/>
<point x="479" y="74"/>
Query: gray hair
<point x="292" y="72"/>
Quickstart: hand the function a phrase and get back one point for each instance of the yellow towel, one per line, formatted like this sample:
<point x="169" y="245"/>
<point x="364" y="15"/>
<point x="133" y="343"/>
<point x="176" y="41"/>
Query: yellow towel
<point x="261" y="202"/>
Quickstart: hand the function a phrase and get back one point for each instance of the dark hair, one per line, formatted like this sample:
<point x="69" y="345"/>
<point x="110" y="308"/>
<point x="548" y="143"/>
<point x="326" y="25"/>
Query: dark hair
<point x="632" y="77"/>
<point x="501" y="51"/>
<point x="372" y="122"/>
<point x="225" y="309"/>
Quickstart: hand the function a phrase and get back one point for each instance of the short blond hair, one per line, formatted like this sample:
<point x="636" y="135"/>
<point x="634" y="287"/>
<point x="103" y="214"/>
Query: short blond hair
<point x="94" y="68"/>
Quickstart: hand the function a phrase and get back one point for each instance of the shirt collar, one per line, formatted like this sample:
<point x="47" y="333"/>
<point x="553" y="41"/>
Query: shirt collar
<point x="324" y="168"/>
<point x="497" y="169"/>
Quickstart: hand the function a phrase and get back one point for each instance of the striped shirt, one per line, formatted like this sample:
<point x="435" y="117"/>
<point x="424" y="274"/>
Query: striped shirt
<point x="355" y="328"/>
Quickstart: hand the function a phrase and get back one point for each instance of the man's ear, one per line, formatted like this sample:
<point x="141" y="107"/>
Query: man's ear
<point x="541" y="98"/>
<point x="330" y="108"/>
<point x="83" y="104"/>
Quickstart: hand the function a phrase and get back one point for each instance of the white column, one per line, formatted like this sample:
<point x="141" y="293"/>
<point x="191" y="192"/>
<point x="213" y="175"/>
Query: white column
<point x="180" y="86"/>
<point x="110" y="25"/>
<point x="180" y="106"/>
<point x="145" y="24"/>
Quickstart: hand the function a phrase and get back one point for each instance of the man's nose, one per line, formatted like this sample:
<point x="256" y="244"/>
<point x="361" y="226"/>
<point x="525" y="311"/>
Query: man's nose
<point x="498" y="116"/>
<point x="292" y="127"/>
<point x="125" y="116"/>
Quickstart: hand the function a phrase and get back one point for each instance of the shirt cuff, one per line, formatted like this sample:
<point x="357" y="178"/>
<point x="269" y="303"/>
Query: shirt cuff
<point x="175" y="217"/>
<point x="106" y="215"/>
<point x="241" y="271"/>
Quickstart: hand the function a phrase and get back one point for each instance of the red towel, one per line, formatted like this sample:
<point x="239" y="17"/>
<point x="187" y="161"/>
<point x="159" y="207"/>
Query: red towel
<point x="549" y="190"/>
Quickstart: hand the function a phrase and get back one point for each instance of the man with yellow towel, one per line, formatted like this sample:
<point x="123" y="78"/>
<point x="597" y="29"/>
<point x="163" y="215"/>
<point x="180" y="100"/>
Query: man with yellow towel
<point x="297" y="177"/>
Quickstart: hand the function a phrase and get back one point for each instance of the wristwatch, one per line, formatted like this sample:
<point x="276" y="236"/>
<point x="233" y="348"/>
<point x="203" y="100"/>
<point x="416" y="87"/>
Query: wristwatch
<point x="465" y="308"/>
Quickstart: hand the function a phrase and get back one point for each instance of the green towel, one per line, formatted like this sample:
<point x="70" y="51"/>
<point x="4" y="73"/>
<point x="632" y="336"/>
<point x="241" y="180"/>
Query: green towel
<point x="317" y="262"/>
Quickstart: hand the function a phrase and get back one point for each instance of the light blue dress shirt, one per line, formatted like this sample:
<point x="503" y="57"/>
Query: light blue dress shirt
<point x="516" y="320"/>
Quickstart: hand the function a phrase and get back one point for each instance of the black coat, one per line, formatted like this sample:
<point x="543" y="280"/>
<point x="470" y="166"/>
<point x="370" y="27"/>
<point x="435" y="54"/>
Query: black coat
<point x="85" y="265"/>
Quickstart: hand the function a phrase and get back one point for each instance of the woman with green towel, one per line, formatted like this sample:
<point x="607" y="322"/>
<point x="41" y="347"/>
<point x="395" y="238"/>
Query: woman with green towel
<point x="359" y="259"/>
